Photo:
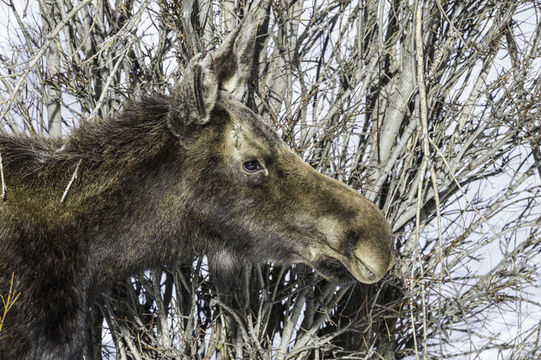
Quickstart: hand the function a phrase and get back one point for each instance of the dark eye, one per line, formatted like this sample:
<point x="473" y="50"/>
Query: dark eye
<point x="251" y="166"/>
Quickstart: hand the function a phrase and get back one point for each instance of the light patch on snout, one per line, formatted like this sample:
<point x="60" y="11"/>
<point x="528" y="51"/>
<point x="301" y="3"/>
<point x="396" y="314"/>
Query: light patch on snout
<point x="331" y="228"/>
<point x="370" y="263"/>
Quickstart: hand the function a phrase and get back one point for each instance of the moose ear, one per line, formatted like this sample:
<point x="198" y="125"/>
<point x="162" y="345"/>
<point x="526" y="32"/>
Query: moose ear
<point x="195" y="96"/>
<point x="237" y="54"/>
<point x="227" y="68"/>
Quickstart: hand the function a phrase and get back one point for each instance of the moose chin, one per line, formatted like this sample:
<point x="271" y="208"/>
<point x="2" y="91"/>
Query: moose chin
<point x="169" y="176"/>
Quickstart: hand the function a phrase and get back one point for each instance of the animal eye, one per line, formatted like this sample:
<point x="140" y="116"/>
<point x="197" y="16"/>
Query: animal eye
<point x="251" y="166"/>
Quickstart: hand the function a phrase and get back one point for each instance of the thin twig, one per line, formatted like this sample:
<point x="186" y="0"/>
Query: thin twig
<point x="4" y="188"/>
<point x="9" y="300"/>
<point x="73" y="177"/>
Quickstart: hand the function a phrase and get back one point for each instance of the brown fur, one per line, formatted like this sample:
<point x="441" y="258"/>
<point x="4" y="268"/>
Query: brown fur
<point x="161" y="181"/>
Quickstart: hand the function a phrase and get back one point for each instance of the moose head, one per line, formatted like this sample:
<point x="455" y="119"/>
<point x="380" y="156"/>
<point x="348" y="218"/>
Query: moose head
<point x="253" y="196"/>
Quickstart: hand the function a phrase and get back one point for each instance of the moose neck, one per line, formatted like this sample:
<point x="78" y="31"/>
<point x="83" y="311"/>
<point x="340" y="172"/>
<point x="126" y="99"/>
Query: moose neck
<point x="126" y="191"/>
<point x="135" y="230"/>
<point x="131" y="183"/>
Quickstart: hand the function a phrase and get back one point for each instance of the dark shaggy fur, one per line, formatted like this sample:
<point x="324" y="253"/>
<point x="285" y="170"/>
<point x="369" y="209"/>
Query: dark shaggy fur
<point x="165" y="179"/>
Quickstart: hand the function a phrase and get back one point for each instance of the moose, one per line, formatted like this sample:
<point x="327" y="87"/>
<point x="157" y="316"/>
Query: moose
<point x="170" y="176"/>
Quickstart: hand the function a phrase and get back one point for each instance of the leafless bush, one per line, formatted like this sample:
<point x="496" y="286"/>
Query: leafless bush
<point x="430" y="108"/>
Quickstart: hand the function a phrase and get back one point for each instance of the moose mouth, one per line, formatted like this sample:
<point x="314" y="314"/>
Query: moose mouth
<point x="333" y="270"/>
<point x="335" y="267"/>
<point x="336" y="271"/>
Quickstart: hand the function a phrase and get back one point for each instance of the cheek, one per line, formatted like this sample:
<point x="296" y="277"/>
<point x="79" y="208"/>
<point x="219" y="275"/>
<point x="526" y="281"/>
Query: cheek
<point x="246" y="179"/>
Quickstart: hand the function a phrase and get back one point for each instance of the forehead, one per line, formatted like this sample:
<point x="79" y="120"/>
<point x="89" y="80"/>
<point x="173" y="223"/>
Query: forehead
<point x="246" y="129"/>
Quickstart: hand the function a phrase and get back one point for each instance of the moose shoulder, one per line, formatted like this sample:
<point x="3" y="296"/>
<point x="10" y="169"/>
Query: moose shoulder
<point x="195" y="172"/>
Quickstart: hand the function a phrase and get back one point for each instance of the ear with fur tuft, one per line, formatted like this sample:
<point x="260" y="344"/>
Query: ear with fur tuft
<point x="227" y="68"/>
<point x="195" y="96"/>
<point x="237" y="54"/>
